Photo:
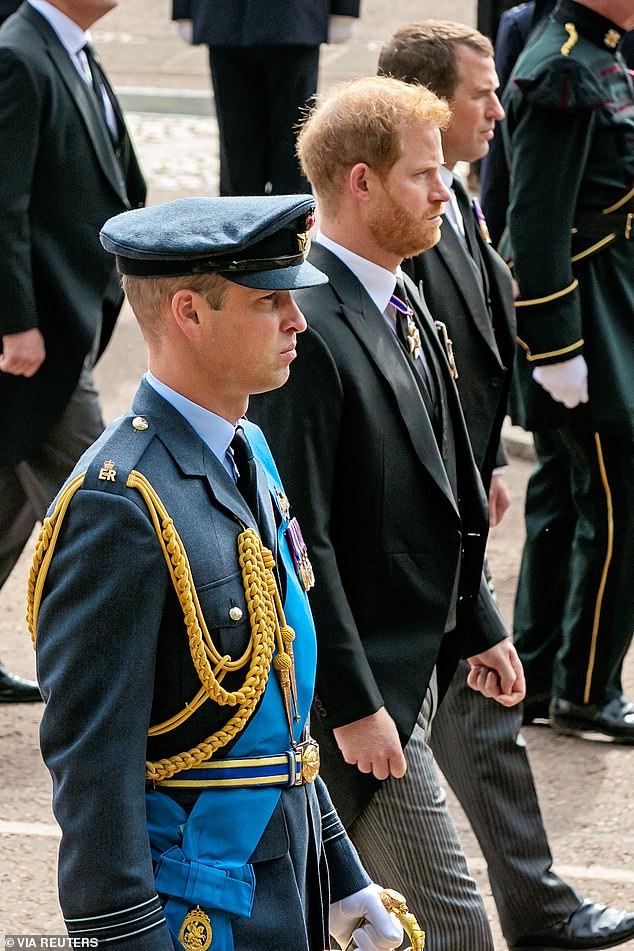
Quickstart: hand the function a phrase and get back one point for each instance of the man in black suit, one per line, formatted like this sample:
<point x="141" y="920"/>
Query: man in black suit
<point x="468" y="287"/>
<point x="264" y="60"/>
<point x="66" y="165"/>
<point x="7" y="7"/>
<point x="375" y="455"/>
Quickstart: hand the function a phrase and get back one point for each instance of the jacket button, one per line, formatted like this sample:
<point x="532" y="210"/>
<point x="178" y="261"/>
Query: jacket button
<point x="495" y="382"/>
<point x="455" y="535"/>
<point x="320" y="708"/>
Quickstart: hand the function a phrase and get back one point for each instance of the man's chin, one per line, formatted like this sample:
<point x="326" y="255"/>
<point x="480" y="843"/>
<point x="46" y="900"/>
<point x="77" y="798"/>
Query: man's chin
<point x="426" y="242"/>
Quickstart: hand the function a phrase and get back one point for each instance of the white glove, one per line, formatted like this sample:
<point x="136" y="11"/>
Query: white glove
<point x="379" y="929"/>
<point x="566" y="382"/>
<point x="185" y="30"/>
<point x="340" y="28"/>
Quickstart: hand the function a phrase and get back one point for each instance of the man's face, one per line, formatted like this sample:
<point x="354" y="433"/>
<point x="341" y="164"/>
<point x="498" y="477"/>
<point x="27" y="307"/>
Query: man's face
<point x="85" y="13"/>
<point x="475" y="107"/>
<point x="405" y="209"/>
<point x="249" y="345"/>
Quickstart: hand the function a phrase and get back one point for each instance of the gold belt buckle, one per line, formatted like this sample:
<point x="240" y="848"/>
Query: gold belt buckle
<point x="309" y="758"/>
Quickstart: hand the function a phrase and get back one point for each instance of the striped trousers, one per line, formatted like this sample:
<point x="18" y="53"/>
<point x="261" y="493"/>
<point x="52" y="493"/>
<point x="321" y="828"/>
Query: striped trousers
<point x="407" y="841"/>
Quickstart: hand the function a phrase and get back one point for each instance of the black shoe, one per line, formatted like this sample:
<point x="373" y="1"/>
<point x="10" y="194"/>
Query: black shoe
<point x="615" y="719"/>
<point x="535" y="707"/>
<point x="15" y="689"/>
<point x="589" y="927"/>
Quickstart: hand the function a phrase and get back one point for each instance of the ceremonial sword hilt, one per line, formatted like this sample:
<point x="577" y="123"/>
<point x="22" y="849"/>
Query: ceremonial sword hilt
<point x="395" y="903"/>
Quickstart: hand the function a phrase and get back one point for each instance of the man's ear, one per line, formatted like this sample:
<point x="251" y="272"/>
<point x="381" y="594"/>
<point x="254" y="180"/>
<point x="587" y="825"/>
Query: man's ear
<point x="359" y="181"/>
<point x="185" y="310"/>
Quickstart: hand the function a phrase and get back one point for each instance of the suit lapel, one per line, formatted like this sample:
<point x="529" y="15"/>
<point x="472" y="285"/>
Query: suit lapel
<point x="84" y="102"/>
<point x="384" y="350"/>
<point x="462" y="269"/>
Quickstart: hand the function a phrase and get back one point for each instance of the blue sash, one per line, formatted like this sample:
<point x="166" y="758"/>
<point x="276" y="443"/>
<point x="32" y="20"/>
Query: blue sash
<point x="203" y="859"/>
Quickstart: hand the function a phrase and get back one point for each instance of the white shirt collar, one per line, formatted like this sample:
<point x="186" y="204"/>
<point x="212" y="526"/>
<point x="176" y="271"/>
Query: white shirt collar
<point x="378" y="282"/>
<point x="214" y="431"/>
<point x="70" y="35"/>
<point x="452" y="208"/>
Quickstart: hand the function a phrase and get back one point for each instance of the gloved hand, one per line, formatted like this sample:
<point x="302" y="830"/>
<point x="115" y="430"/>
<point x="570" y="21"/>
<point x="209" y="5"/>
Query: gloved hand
<point x="340" y="28"/>
<point x="566" y="382"/>
<point x="185" y="30"/>
<point x="380" y="931"/>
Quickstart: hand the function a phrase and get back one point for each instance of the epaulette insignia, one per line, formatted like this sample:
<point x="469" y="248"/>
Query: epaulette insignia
<point x="612" y="39"/>
<point x="572" y="40"/>
<point x="107" y="473"/>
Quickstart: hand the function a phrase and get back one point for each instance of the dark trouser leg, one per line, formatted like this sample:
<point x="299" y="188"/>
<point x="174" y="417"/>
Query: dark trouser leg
<point x="477" y="745"/>
<point x="240" y="110"/>
<point x="599" y="612"/>
<point x="295" y="70"/>
<point x="539" y="604"/>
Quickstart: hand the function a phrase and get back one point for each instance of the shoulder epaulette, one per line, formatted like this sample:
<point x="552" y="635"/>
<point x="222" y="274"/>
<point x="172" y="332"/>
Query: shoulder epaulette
<point x="116" y="454"/>
<point x="561" y="83"/>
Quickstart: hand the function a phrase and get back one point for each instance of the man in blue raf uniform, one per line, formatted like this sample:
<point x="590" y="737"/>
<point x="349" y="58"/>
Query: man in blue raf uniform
<point x="177" y="684"/>
<point x="570" y="138"/>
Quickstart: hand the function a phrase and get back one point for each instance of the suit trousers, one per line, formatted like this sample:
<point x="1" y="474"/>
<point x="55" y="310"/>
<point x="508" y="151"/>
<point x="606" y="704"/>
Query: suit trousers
<point x="478" y="747"/>
<point x="596" y="620"/>
<point x="259" y="94"/>
<point x="28" y="488"/>
<point x="407" y="841"/>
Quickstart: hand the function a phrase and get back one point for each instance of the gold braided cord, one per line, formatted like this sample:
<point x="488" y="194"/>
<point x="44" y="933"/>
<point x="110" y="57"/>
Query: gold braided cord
<point x="268" y="626"/>
<point x="44" y="548"/>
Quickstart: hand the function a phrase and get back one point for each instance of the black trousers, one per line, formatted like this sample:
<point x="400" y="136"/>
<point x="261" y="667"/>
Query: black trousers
<point x="574" y="611"/>
<point x="259" y="93"/>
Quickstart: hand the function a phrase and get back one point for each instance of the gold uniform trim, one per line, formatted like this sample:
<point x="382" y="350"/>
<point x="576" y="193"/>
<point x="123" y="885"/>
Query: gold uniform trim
<point x="573" y="39"/>
<point x="549" y="297"/>
<point x="594" y="247"/>
<point x="531" y="357"/>
<point x="604" y="574"/>
<point x="619" y="204"/>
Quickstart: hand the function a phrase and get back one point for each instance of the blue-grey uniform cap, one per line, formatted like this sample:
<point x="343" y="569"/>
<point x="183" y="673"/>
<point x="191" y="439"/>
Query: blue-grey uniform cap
<point x="259" y="242"/>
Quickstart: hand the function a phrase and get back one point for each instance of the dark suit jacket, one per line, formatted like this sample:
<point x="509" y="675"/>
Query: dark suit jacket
<point x="59" y="181"/>
<point x="253" y="23"/>
<point x="362" y="468"/>
<point x="475" y="301"/>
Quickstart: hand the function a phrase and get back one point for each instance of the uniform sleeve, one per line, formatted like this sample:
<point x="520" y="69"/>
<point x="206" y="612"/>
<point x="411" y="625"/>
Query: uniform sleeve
<point x="302" y="423"/>
<point x="181" y="9"/>
<point x="549" y="131"/>
<point x="20" y="114"/>
<point x="96" y="644"/>
<point x="345" y="8"/>
<point x="345" y="871"/>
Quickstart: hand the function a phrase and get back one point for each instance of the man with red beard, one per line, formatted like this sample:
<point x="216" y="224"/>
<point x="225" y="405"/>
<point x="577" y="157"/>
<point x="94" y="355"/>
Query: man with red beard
<point x="373" y="449"/>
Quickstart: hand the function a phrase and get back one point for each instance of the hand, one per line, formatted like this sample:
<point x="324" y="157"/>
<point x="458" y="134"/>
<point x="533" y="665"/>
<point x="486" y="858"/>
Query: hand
<point x="498" y="673"/>
<point x="372" y="744"/>
<point x="499" y="499"/>
<point x="566" y="382"/>
<point x="340" y="28"/>
<point x="22" y="353"/>
<point x="363" y="916"/>
<point x="185" y="30"/>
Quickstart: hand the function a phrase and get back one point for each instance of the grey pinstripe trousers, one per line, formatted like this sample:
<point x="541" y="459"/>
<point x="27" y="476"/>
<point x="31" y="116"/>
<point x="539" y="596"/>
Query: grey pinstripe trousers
<point x="407" y="840"/>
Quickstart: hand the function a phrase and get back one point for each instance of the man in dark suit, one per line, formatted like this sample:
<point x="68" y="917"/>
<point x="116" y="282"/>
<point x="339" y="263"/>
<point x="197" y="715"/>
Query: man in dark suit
<point x="372" y="443"/>
<point x="66" y="164"/>
<point x="264" y="60"/>
<point x="209" y="825"/>
<point x="468" y="287"/>
<point x="7" y="7"/>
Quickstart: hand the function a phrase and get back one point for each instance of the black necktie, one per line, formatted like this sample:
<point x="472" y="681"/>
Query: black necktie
<point x="247" y="471"/>
<point x="99" y="89"/>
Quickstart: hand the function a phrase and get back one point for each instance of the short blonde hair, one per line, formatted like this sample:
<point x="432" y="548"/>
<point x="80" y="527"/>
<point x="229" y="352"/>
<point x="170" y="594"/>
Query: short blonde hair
<point x="362" y="121"/>
<point x="148" y="296"/>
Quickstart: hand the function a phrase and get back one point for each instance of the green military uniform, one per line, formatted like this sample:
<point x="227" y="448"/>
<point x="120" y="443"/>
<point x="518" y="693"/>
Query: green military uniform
<point x="570" y="139"/>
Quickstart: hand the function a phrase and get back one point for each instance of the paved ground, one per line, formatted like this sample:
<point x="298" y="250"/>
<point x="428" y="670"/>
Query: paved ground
<point x="585" y="787"/>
